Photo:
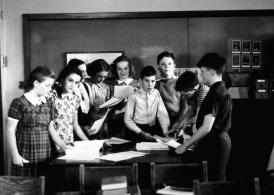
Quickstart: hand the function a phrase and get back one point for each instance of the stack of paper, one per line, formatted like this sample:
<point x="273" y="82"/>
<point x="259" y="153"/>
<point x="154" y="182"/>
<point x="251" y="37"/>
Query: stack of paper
<point x="151" y="146"/>
<point x="122" y="156"/>
<point x="83" y="150"/>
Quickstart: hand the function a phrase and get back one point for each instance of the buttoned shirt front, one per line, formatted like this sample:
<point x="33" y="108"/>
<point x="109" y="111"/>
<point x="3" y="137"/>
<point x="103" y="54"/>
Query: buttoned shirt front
<point x="143" y="108"/>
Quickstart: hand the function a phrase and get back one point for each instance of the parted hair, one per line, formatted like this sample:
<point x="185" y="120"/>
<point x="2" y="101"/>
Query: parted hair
<point x="74" y="63"/>
<point x="97" y="66"/>
<point x="65" y="72"/>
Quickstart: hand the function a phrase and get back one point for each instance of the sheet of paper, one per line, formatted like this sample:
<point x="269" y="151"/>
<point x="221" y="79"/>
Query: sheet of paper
<point x="151" y="146"/>
<point x="172" y="143"/>
<point x="83" y="150"/>
<point x="168" y="190"/>
<point x="115" y="140"/>
<point x="119" y="156"/>
<point x="98" y="124"/>
<point x="123" y="91"/>
<point x="111" y="102"/>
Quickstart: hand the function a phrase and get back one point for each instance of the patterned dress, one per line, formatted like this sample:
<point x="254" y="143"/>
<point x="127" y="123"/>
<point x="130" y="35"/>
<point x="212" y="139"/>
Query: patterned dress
<point x="32" y="135"/>
<point x="66" y="108"/>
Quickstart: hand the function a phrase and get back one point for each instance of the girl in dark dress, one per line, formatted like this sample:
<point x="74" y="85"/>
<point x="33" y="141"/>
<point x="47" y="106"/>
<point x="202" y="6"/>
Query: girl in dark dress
<point x="27" y="125"/>
<point x="214" y="119"/>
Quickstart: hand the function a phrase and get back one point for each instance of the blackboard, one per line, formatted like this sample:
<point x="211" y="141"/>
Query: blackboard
<point x="141" y="36"/>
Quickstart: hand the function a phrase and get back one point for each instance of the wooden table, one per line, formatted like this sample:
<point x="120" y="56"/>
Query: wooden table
<point x="65" y="173"/>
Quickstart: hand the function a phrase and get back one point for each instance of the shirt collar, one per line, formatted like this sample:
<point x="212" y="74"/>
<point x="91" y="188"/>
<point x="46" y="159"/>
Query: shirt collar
<point x="127" y="81"/>
<point x="142" y="91"/>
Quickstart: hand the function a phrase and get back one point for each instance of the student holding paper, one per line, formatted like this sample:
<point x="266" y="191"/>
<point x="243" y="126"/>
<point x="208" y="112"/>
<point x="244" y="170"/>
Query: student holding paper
<point x="214" y="119"/>
<point x="99" y="94"/>
<point x="67" y="103"/>
<point x="144" y="107"/>
<point x="122" y="71"/>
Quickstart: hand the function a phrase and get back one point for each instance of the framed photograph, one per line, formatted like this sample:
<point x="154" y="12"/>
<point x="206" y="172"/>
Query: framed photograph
<point x="246" y="46"/>
<point x="236" y="60"/>
<point x="256" y="61"/>
<point x="236" y="46"/>
<point x="256" y="47"/>
<point x="246" y="60"/>
<point x="87" y="57"/>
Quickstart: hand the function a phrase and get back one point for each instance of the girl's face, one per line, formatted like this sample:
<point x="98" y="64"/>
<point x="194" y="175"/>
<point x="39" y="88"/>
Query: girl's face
<point x="123" y="70"/>
<point x="83" y="69"/>
<point x="71" y="82"/>
<point x="101" y="76"/>
<point x="44" y="87"/>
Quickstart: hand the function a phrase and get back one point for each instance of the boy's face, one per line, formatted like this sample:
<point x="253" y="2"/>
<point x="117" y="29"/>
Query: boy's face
<point x="148" y="83"/>
<point x="166" y="67"/>
<point x="206" y="75"/>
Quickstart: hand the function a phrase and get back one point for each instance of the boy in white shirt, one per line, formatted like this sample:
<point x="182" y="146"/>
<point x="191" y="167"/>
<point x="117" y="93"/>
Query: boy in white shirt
<point x="143" y="108"/>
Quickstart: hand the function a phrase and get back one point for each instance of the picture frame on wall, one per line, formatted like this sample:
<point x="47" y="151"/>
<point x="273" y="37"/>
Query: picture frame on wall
<point x="236" y="46"/>
<point x="256" y="61"/>
<point x="246" y="60"/>
<point x="256" y="47"/>
<point x="236" y="61"/>
<point x="246" y="46"/>
<point x="88" y="57"/>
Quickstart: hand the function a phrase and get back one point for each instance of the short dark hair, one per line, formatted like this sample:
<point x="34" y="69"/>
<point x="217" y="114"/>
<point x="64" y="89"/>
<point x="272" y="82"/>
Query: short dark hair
<point x="148" y="71"/>
<point x="213" y="61"/>
<point x="187" y="81"/>
<point x="165" y="54"/>
<point x="37" y="74"/>
<point x="121" y="58"/>
<point x="97" y="66"/>
<point x="74" y="63"/>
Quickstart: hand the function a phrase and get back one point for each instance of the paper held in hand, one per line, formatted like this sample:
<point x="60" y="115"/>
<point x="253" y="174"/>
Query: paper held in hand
<point x="172" y="143"/>
<point x="98" y="124"/>
<point x="120" y="93"/>
<point x="123" y="91"/>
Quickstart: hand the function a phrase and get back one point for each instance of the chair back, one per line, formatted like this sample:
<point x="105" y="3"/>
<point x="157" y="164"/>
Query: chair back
<point x="179" y="175"/>
<point x="251" y="187"/>
<point x="91" y="177"/>
<point x="22" y="185"/>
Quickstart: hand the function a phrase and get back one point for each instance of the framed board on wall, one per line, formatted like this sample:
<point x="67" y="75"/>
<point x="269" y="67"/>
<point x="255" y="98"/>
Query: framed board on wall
<point x="87" y="57"/>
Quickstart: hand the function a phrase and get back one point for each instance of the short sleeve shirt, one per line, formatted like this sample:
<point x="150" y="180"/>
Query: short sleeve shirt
<point x="218" y="103"/>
